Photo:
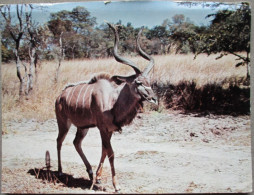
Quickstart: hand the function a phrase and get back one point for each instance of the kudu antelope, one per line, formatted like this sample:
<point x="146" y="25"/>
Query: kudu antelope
<point x="106" y="102"/>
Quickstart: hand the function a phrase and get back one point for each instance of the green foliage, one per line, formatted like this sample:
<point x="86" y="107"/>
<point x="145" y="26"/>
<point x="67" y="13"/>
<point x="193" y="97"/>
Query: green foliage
<point x="7" y="55"/>
<point x="57" y="26"/>
<point x="183" y="33"/>
<point x="76" y="28"/>
<point x="229" y="32"/>
<point x="79" y="19"/>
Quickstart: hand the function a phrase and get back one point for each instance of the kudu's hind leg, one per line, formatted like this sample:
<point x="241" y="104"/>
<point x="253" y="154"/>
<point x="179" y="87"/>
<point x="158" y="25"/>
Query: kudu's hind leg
<point x="81" y="133"/>
<point x="63" y="128"/>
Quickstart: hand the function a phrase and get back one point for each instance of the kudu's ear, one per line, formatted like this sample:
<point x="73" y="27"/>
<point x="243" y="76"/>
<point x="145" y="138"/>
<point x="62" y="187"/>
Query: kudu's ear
<point x="121" y="79"/>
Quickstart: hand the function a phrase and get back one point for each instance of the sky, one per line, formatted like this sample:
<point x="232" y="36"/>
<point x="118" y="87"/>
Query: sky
<point x="138" y="13"/>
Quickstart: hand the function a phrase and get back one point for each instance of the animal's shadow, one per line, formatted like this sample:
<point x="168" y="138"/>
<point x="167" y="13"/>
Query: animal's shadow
<point x="65" y="179"/>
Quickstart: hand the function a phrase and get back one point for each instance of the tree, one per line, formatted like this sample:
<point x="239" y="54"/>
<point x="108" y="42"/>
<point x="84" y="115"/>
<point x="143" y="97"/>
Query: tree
<point x="81" y="20"/>
<point x="79" y="24"/>
<point x="71" y="34"/>
<point x="16" y="30"/>
<point x="178" y="19"/>
<point x="161" y="35"/>
<point x="229" y="33"/>
<point x="6" y="54"/>
<point x="127" y="35"/>
<point x="36" y="36"/>
<point x="182" y="33"/>
<point x="102" y="43"/>
<point x="25" y="37"/>
<point x="73" y="49"/>
<point x="7" y="43"/>
<point x="58" y="27"/>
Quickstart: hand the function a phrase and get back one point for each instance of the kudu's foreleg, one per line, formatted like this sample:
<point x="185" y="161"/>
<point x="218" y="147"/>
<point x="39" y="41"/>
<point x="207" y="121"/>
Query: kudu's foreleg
<point x="111" y="158"/>
<point x="106" y="136"/>
<point x="81" y="133"/>
<point x="99" y="170"/>
<point x="103" y="156"/>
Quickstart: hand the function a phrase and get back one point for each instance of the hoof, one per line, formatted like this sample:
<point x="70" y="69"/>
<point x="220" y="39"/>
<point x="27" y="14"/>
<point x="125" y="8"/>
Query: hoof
<point x="98" y="181"/>
<point x="60" y="174"/>
<point x="117" y="189"/>
<point x="90" y="173"/>
<point x="91" y="177"/>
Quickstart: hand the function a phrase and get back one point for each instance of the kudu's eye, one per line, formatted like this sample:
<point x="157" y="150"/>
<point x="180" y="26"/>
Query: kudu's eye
<point x="138" y="82"/>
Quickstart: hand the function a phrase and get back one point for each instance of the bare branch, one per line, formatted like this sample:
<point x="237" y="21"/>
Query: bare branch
<point x="246" y="59"/>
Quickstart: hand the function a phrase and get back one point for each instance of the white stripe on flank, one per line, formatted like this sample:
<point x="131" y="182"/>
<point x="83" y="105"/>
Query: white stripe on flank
<point x="102" y="106"/>
<point x="90" y="110"/>
<point x="90" y="97"/>
<point x="74" y="88"/>
<point x="84" y="96"/>
<point x="78" y="97"/>
<point x="59" y="97"/>
<point x="68" y="95"/>
<point x="66" y="105"/>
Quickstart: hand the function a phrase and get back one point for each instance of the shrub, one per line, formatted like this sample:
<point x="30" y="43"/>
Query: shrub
<point x="212" y="98"/>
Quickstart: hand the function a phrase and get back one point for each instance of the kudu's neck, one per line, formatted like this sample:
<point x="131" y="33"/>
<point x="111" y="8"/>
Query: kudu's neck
<point x="126" y="106"/>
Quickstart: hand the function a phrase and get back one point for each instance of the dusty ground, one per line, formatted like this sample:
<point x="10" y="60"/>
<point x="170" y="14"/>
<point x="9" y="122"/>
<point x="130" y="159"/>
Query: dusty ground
<point x="158" y="153"/>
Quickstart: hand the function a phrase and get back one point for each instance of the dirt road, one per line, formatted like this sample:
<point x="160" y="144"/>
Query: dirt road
<point x="158" y="153"/>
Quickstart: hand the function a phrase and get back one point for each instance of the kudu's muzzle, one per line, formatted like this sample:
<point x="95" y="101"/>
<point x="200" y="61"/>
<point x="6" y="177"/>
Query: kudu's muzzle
<point x="148" y="94"/>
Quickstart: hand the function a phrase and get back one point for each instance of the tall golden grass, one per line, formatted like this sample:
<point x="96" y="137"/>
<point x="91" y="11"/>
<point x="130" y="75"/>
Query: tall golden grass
<point x="168" y="69"/>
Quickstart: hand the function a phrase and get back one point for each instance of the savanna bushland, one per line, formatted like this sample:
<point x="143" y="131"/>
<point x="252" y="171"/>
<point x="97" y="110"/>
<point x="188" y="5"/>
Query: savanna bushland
<point x="197" y="68"/>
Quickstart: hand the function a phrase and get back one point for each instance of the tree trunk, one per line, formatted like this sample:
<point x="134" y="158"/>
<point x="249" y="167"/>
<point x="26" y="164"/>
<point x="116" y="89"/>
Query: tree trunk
<point x="58" y="70"/>
<point x="16" y="30"/>
<point x="35" y="67"/>
<point x="60" y="57"/>
<point x="168" y="48"/>
<point x="30" y="79"/>
<point x="21" y="80"/>
<point x="248" y="66"/>
<point x="73" y="55"/>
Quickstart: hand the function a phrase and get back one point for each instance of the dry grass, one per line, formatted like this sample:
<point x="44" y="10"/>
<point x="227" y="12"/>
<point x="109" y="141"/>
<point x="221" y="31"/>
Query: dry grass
<point x="204" y="70"/>
<point x="168" y="69"/>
